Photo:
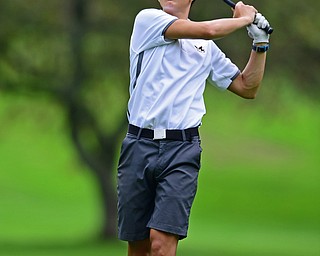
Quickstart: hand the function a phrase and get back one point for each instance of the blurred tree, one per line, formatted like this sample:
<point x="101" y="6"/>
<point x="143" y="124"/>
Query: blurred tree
<point x="75" y="52"/>
<point x="96" y="147"/>
<point x="50" y="52"/>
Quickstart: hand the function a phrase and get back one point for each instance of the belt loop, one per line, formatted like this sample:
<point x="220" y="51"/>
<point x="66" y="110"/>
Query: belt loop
<point x="139" y="133"/>
<point x="184" y="137"/>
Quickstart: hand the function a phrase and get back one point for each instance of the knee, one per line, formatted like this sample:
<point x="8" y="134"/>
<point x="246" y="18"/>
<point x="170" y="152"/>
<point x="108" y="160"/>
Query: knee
<point x="157" y="246"/>
<point x="163" y="244"/>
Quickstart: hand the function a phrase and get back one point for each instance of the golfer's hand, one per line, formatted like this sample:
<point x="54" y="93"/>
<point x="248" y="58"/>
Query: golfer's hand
<point x="255" y="30"/>
<point x="242" y="10"/>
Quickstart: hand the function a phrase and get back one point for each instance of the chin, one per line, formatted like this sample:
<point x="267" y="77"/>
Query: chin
<point x="169" y="8"/>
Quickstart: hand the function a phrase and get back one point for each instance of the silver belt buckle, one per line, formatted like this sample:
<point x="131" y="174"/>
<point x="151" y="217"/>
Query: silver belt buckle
<point x="159" y="134"/>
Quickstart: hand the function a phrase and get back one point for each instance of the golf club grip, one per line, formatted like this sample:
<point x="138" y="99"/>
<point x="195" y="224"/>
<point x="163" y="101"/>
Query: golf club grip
<point x="267" y="29"/>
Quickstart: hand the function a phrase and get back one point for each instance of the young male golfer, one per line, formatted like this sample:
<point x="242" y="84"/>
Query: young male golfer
<point x="171" y="58"/>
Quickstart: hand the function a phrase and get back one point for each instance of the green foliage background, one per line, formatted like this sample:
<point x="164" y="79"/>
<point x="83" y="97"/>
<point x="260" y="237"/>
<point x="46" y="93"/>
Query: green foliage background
<point x="258" y="189"/>
<point x="259" y="185"/>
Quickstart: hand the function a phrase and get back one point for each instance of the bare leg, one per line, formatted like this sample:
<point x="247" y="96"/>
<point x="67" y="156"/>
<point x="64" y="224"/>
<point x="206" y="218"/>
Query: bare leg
<point x="139" y="248"/>
<point x="163" y="244"/>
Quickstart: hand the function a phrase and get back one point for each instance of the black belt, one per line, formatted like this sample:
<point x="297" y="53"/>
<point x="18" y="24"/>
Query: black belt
<point x="162" y="134"/>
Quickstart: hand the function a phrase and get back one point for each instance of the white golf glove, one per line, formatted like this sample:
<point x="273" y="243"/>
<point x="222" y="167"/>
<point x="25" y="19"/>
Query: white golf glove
<point x="255" y="30"/>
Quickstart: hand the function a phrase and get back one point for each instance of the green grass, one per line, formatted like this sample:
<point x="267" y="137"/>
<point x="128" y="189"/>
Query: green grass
<point x="258" y="186"/>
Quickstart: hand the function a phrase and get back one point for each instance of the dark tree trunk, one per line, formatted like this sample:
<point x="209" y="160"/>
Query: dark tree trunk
<point x="100" y="159"/>
<point x="100" y="156"/>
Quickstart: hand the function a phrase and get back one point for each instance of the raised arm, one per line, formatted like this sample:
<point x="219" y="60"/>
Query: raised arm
<point x="248" y="82"/>
<point x="213" y="29"/>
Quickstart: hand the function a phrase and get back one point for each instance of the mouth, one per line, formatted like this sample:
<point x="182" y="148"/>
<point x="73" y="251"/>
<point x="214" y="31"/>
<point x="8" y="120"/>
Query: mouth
<point x="170" y="2"/>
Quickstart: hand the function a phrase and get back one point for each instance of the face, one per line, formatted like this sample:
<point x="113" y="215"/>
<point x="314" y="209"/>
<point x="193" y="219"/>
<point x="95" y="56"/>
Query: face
<point x="174" y="7"/>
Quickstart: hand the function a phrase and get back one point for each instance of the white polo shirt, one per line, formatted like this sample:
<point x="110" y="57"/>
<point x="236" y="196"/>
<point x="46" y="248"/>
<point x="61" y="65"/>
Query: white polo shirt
<point x="168" y="77"/>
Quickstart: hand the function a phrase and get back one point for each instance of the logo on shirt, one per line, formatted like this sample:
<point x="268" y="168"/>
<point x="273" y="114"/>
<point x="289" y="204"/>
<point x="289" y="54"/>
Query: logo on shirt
<point x="200" y="49"/>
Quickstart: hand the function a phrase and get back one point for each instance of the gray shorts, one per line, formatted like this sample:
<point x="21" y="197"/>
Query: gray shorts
<point x="157" y="183"/>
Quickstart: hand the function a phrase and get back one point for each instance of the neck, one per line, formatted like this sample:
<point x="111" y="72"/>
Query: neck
<point x="183" y="15"/>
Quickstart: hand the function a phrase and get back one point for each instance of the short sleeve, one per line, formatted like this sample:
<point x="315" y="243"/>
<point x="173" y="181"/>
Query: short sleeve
<point x="149" y="28"/>
<point x="223" y="71"/>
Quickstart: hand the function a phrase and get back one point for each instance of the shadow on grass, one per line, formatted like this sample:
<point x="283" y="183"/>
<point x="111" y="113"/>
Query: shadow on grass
<point x="59" y="248"/>
<point x="113" y="248"/>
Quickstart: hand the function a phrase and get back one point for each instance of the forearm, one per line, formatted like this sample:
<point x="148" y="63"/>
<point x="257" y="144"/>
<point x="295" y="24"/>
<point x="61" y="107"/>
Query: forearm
<point x="252" y="74"/>
<point x="212" y="29"/>
<point x="248" y="82"/>
<point x="222" y="27"/>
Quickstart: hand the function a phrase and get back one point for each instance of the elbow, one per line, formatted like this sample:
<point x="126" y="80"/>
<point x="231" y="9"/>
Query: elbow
<point x="250" y="90"/>
<point x="250" y="96"/>
<point x="250" y="93"/>
<point x="244" y="89"/>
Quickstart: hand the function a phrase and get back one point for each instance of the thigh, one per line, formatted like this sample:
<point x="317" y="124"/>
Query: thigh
<point x="136" y="191"/>
<point x="176" y="189"/>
